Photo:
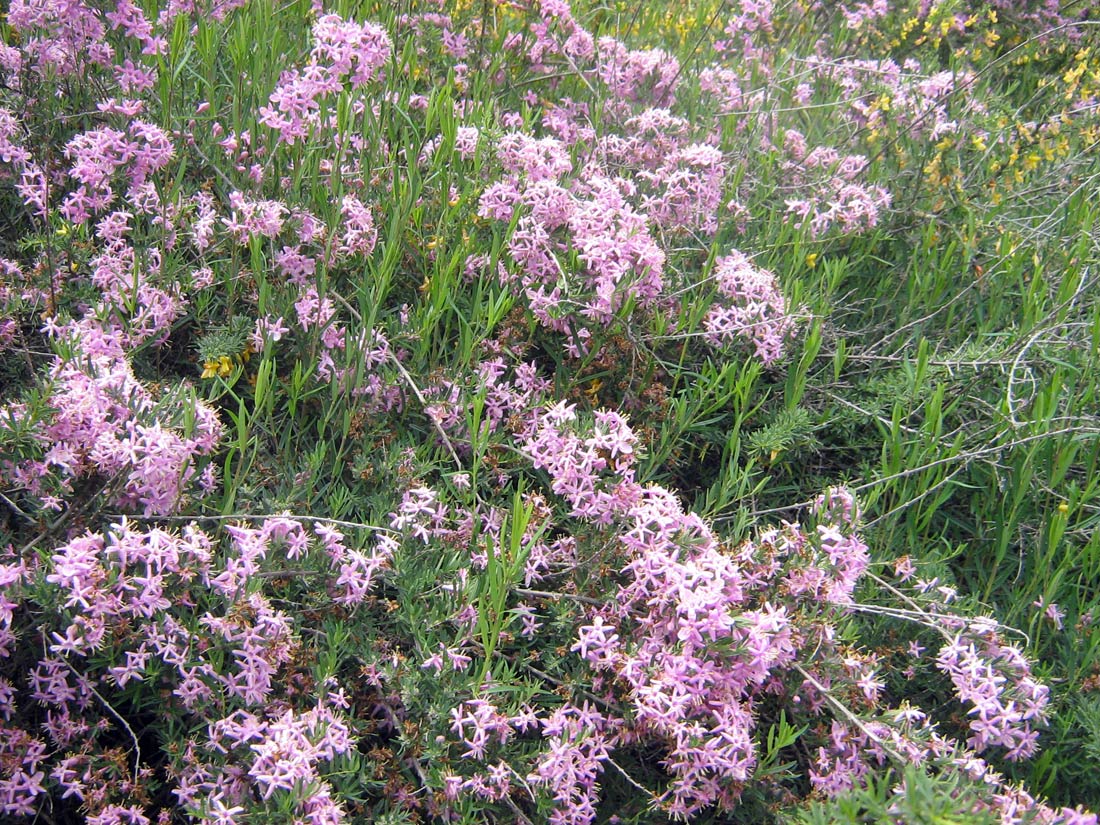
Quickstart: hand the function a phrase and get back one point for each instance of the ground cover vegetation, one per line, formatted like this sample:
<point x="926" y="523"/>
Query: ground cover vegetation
<point x="529" y="412"/>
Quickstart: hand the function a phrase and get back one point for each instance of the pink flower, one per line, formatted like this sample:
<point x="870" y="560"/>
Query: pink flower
<point x="749" y="307"/>
<point x="477" y="723"/>
<point x="1053" y="613"/>
<point x="596" y="642"/>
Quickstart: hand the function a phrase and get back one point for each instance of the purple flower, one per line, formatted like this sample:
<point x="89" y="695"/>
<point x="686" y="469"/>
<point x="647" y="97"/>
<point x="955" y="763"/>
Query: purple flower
<point x="749" y="307"/>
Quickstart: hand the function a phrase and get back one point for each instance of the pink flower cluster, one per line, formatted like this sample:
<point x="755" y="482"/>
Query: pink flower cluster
<point x="840" y="202"/>
<point x="98" y="155"/>
<point x="60" y="37"/>
<point x="32" y="184"/>
<point x="688" y="186"/>
<point x="578" y="744"/>
<point x="274" y="752"/>
<point x="136" y="303"/>
<point x="172" y="611"/>
<point x="749" y="308"/>
<point x="107" y="424"/>
<point x="691" y="636"/>
<point x="507" y="393"/>
<point x="345" y="55"/>
<point x="1007" y="703"/>
<point x="649" y="76"/>
<point x="617" y="258"/>
<point x="886" y="95"/>
<point x="696" y="635"/>
<point x="576" y="463"/>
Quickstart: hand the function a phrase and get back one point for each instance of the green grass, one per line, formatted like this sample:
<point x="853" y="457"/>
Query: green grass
<point x="944" y="366"/>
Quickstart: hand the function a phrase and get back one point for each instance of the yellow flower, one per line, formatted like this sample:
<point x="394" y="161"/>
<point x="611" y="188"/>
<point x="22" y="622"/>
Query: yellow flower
<point x="1071" y="77"/>
<point x="209" y="369"/>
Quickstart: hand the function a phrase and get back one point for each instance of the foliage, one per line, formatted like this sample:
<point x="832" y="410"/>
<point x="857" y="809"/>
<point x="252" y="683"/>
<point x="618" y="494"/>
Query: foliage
<point x="492" y="411"/>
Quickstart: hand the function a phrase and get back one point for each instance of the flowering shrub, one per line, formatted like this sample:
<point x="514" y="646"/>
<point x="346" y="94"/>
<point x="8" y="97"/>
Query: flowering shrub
<point x="374" y="384"/>
<point x="106" y="424"/>
<point x="756" y="310"/>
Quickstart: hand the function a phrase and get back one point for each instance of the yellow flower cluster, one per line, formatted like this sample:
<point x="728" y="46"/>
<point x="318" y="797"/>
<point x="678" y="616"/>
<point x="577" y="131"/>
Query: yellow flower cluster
<point x="222" y="366"/>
